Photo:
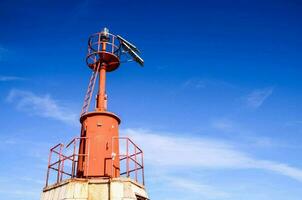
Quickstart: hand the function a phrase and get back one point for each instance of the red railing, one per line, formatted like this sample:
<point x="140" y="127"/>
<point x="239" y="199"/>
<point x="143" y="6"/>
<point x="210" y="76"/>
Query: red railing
<point x="57" y="150"/>
<point x="64" y="161"/>
<point x="95" y="44"/>
<point x="64" y="155"/>
<point x="131" y="159"/>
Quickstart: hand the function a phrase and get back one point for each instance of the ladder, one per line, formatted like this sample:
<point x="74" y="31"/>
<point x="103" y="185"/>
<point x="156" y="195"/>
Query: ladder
<point x="90" y="89"/>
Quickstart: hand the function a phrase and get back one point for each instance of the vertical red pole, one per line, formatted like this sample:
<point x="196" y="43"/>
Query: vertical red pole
<point x="48" y="167"/>
<point x="101" y="102"/>
<point x="62" y="168"/>
<point x="59" y="164"/>
<point x="101" y="105"/>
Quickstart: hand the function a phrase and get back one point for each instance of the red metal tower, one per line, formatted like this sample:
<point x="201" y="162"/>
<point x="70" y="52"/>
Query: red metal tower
<point x="96" y="153"/>
<point x="101" y="126"/>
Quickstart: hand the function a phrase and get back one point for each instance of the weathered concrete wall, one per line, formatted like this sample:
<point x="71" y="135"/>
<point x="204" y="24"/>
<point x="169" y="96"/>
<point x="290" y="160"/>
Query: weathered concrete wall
<point x="94" y="189"/>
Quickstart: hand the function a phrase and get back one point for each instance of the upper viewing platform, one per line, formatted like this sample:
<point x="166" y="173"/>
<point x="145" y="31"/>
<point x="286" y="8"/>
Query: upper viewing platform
<point x="103" y="48"/>
<point x="107" y="49"/>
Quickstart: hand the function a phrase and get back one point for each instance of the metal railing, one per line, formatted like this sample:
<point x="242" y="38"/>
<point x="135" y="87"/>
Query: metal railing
<point x="63" y="155"/>
<point x="63" y="161"/>
<point x="131" y="159"/>
<point x="96" y="44"/>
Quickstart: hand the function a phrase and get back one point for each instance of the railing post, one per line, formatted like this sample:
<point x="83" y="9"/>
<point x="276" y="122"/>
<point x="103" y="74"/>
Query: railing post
<point x="73" y="159"/>
<point x="62" y="169"/>
<point x="143" y="173"/>
<point x="127" y="158"/>
<point x="59" y="164"/>
<point x="48" y="167"/>
<point x="135" y="163"/>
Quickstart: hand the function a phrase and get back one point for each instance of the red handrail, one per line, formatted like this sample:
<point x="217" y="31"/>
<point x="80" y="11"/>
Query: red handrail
<point x="134" y="160"/>
<point x="131" y="159"/>
<point x="62" y="158"/>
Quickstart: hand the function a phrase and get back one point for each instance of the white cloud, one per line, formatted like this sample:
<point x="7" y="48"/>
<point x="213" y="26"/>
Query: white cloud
<point x="194" y="83"/>
<point x="29" y="179"/>
<point x="41" y="105"/>
<point x="193" y="187"/>
<point x="199" y="153"/>
<point x="223" y="125"/>
<point x="20" y="193"/>
<point x="10" y="78"/>
<point x="257" y="97"/>
<point x="200" y="83"/>
<point x="240" y="133"/>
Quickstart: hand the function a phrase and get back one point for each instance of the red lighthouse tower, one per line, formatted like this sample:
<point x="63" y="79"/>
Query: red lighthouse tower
<point x="97" y="162"/>
<point x="101" y="125"/>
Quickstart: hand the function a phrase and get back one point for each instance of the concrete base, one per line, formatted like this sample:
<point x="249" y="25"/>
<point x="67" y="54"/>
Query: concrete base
<point x="95" y="189"/>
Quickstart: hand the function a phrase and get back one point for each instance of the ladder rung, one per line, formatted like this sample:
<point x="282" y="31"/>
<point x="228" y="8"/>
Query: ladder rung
<point x="88" y="92"/>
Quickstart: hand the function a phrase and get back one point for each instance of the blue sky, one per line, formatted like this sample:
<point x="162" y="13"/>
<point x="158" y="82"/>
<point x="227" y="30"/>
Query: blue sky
<point x="217" y="107"/>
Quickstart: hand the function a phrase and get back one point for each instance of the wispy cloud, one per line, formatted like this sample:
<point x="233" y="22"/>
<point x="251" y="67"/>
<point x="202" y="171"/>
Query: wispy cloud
<point x="257" y="97"/>
<point x="41" y="105"/>
<point x="29" y="179"/>
<point x="239" y="133"/>
<point x="224" y="125"/>
<point x="10" y="78"/>
<point x="206" y="153"/>
<point x="20" y="193"/>
<point x="194" y="83"/>
<point x="30" y="148"/>
<point x="194" y="187"/>
<point x="200" y="83"/>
